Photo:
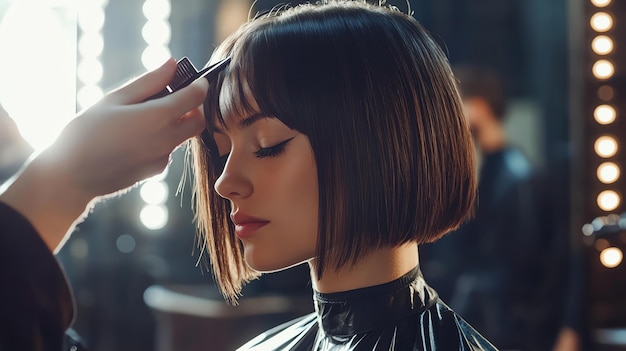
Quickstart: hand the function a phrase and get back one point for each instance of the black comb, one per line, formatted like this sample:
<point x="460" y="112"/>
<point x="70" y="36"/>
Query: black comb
<point x="186" y="74"/>
<point x="184" y="70"/>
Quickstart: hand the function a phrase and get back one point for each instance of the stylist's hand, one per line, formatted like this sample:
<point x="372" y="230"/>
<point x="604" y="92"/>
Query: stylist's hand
<point x="109" y="147"/>
<point x="121" y="140"/>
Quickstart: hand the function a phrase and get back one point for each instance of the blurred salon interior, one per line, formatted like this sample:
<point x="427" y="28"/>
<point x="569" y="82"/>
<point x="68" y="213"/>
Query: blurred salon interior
<point x="540" y="267"/>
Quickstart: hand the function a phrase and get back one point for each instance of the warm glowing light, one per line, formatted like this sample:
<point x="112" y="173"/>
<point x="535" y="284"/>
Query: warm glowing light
<point x="606" y="146"/>
<point x="601" y="3"/>
<point x="90" y="18"/>
<point x="611" y="257"/>
<point x="99" y="3"/>
<point x="37" y="66"/>
<point x="603" y="69"/>
<point x="608" y="200"/>
<point x="156" y="33"/>
<point x="90" y="44"/>
<point x="601" y="22"/>
<point x="154" y="216"/>
<point x="608" y="172"/>
<point x="156" y="9"/>
<point x="604" y="114"/>
<point x="154" y="192"/>
<point x="89" y="71"/>
<point x="153" y="56"/>
<point x="89" y="95"/>
<point x="602" y="45"/>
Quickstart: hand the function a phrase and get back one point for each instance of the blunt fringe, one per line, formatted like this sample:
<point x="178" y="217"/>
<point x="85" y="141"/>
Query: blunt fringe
<point x="376" y="98"/>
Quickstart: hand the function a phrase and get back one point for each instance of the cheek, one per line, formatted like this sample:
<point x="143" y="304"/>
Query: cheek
<point x="291" y="198"/>
<point x="300" y="193"/>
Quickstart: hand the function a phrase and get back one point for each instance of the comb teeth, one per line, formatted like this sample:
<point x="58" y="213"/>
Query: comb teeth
<point x="184" y="70"/>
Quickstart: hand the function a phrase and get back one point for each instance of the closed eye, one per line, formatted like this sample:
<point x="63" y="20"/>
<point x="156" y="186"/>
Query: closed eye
<point x="272" y="151"/>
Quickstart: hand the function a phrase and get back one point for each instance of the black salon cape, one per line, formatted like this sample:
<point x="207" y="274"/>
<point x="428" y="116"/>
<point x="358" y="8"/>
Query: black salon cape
<point x="36" y="305"/>
<point x="402" y="315"/>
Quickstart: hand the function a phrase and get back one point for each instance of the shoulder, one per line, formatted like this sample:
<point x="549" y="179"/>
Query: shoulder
<point x="284" y="336"/>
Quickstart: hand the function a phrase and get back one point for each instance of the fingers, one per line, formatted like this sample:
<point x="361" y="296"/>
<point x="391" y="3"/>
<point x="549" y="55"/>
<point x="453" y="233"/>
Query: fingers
<point x="145" y="86"/>
<point x="184" y="110"/>
<point x="190" y="125"/>
<point x="186" y="99"/>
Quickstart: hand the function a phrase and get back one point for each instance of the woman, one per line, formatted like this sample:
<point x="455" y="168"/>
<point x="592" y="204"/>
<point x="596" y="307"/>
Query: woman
<point x="336" y="137"/>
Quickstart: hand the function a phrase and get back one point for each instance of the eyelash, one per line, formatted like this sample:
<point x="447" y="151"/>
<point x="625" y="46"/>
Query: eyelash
<point x="272" y="151"/>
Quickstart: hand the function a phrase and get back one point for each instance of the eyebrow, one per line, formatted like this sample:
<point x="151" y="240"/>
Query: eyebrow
<point x="245" y="122"/>
<point x="250" y="120"/>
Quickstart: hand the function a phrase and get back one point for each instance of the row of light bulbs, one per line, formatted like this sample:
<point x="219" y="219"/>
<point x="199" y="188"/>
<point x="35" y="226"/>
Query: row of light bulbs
<point x="90" y="44"/>
<point x="605" y="146"/>
<point x="156" y="32"/>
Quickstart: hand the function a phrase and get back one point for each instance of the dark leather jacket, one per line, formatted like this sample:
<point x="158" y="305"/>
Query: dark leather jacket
<point x="36" y="305"/>
<point x="402" y="315"/>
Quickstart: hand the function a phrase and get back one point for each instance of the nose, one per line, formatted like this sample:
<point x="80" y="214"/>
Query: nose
<point x="233" y="183"/>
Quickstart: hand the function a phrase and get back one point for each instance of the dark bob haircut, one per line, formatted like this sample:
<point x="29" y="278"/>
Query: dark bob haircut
<point x="376" y="98"/>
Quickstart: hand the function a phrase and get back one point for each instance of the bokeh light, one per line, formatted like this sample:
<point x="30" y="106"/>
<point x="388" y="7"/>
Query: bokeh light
<point x="125" y="243"/>
<point x="604" y="114"/>
<point x="89" y="71"/>
<point x="601" y="3"/>
<point x="91" y="18"/>
<point x="601" y="22"/>
<point x="154" y="192"/>
<point x="608" y="172"/>
<point x="608" y="200"/>
<point x="154" y="56"/>
<point x="154" y="216"/>
<point x="603" y="69"/>
<point x="611" y="257"/>
<point x="156" y="9"/>
<point x="89" y="95"/>
<point x="602" y="45"/>
<point x="90" y="44"/>
<point x="606" y="146"/>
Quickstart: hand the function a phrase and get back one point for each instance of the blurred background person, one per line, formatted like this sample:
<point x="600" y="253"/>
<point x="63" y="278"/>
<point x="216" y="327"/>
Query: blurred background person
<point x="501" y="263"/>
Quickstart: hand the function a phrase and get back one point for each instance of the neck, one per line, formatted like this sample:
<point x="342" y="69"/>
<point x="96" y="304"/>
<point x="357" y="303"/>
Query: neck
<point x="378" y="267"/>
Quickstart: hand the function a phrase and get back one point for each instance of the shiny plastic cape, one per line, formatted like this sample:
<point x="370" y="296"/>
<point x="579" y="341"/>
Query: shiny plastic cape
<point x="402" y="315"/>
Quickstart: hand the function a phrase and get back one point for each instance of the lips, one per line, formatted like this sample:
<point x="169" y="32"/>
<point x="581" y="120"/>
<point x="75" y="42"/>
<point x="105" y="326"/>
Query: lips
<point x="246" y="225"/>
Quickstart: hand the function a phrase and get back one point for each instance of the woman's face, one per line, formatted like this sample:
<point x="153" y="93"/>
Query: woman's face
<point x="270" y="179"/>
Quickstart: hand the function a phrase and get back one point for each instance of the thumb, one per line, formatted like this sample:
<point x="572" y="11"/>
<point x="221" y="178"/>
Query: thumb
<point x="146" y="85"/>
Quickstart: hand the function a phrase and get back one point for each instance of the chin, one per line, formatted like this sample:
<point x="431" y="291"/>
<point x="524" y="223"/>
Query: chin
<point x="271" y="263"/>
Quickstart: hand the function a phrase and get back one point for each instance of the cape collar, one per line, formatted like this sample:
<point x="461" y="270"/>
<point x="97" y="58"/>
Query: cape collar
<point x="357" y="311"/>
